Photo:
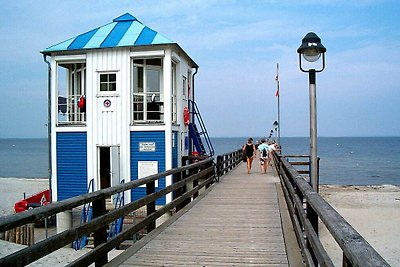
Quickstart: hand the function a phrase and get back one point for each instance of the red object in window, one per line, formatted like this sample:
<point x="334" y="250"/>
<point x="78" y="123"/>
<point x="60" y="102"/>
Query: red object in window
<point x="82" y="104"/>
<point x="186" y="116"/>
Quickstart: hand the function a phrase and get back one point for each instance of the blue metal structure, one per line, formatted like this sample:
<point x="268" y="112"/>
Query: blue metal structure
<point x="86" y="216"/>
<point x="116" y="226"/>
<point x="198" y="134"/>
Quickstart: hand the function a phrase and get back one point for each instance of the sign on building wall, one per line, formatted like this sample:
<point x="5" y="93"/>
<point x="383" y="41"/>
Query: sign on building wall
<point x="147" y="146"/>
<point x="146" y="168"/>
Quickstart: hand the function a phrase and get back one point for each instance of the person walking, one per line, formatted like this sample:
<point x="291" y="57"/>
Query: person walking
<point x="271" y="148"/>
<point x="249" y="150"/>
<point x="263" y="148"/>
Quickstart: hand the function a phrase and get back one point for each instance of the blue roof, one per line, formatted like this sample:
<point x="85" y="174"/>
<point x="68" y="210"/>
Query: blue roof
<point x="125" y="30"/>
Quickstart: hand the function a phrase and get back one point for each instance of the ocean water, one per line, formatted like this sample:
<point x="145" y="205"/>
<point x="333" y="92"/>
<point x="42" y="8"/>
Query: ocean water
<point x="24" y="158"/>
<point x="343" y="160"/>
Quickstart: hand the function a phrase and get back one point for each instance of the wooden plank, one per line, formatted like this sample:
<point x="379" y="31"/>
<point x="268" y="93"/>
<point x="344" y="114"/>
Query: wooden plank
<point x="238" y="223"/>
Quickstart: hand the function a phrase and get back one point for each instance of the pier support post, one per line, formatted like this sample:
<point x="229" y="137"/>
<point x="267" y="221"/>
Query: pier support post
<point x="64" y="222"/>
<point x="151" y="207"/>
<point x="100" y="235"/>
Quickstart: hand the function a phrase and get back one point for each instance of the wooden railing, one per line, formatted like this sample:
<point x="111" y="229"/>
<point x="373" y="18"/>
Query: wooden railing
<point x="227" y="162"/>
<point x="200" y="174"/>
<point x="305" y="206"/>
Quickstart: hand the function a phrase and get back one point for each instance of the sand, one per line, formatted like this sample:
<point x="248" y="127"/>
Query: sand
<point x="12" y="190"/>
<point x="374" y="211"/>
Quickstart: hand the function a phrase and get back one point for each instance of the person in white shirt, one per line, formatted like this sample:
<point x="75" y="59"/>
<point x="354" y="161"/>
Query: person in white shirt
<point x="271" y="148"/>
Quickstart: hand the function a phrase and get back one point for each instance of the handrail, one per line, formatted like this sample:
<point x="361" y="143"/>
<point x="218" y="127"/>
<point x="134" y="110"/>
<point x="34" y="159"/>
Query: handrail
<point x="356" y="250"/>
<point x="201" y="170"/>
<point x="200" y="174"/>
<point x="196" y="112"/>
<point x="227" y="162"/>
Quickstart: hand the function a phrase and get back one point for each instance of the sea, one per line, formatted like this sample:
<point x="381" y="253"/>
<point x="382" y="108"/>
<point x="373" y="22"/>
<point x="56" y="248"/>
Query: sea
<point x="343" y="160"/>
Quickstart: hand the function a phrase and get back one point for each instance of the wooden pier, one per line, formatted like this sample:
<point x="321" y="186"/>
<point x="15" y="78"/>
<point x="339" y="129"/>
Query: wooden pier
<point x="238" y="223"/>
<point x="225" y="217"/>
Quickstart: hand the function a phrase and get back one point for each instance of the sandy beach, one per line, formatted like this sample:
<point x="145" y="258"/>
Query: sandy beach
<point x="374" y="211"/>
<point x="13" y="189"/>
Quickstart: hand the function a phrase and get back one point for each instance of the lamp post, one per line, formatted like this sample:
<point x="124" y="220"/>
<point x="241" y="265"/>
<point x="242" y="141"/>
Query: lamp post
<point x="311" y="50"/>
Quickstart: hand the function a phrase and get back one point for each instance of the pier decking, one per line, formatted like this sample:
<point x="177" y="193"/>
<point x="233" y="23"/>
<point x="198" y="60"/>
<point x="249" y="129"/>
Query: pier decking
<point x="238" y="223"/>
<point x="241" y="221"/>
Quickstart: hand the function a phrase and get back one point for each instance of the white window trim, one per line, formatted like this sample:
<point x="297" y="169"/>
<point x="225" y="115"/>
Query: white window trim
<point x="71" y="58"/>
<point x="117" y="82"/>
<point x="146" y="54"/>
<point x="145" y="68"/>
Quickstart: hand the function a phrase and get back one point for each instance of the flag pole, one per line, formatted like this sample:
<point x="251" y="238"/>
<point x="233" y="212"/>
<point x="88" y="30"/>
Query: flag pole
<point x="278" y="95"/>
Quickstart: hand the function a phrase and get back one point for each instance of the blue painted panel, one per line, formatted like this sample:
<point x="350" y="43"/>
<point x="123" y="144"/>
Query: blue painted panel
<point x="146" y="37"/>
<point x="100" y="36"/>
<point x="116" y="34"/>
<point x="61" y="46"/>
<point x="131" y="34"/>
<point x="82" y="40"/>
<point x="71" y="164"/>
<point x="158" y="155"/>
<point x="175" y="150"/>
<point x="160" y="39"/>
<point x="125" y="17"/>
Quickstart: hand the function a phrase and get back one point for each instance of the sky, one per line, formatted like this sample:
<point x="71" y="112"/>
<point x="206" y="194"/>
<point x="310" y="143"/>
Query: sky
<point x="237" y="45"/>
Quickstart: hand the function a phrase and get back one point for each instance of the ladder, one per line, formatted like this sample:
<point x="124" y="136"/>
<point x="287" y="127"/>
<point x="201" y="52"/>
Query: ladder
<point x="86" y="216"/>
<point x="116" y="226"/>
<point x="198" y="134"/>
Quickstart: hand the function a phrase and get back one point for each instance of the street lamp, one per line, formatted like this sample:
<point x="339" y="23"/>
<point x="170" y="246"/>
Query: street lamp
<point x="311" y="50"/>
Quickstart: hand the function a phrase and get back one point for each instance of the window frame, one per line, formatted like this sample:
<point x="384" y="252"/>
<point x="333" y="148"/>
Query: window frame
<point x="108" y="82"/>
<point x="141" y="116"/>
<point x="75" y="87"/>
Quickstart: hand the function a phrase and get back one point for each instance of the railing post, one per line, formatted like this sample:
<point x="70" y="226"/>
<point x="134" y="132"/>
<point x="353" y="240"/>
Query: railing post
<point x="211" y="174"/>
<point x="346" y="262"/>
<point x="100" y="236"/>
<point x="151" y="207"/>
<point x="195" y="181"/>
<point x="178" y="192"/>
<point x="219" y="167"/>
<point x="224" y="165"/>
<point x="313" y="218"/>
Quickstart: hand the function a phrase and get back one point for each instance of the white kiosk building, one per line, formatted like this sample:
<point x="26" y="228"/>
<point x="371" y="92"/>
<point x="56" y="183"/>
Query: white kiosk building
<point x="121" y="108"/>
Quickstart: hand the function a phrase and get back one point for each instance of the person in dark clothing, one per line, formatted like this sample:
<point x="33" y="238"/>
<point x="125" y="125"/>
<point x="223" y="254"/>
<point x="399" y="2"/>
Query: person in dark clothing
<point x="249" y="150"/>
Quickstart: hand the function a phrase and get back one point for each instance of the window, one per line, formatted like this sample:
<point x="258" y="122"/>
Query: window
<point x="71" y="85"/>
<point x="108" y="82"/>
<point x="189" y="83"/>
<point x="184" y="89"/>
<point x="173" y="92"/>
<point x="148" y="104"/>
